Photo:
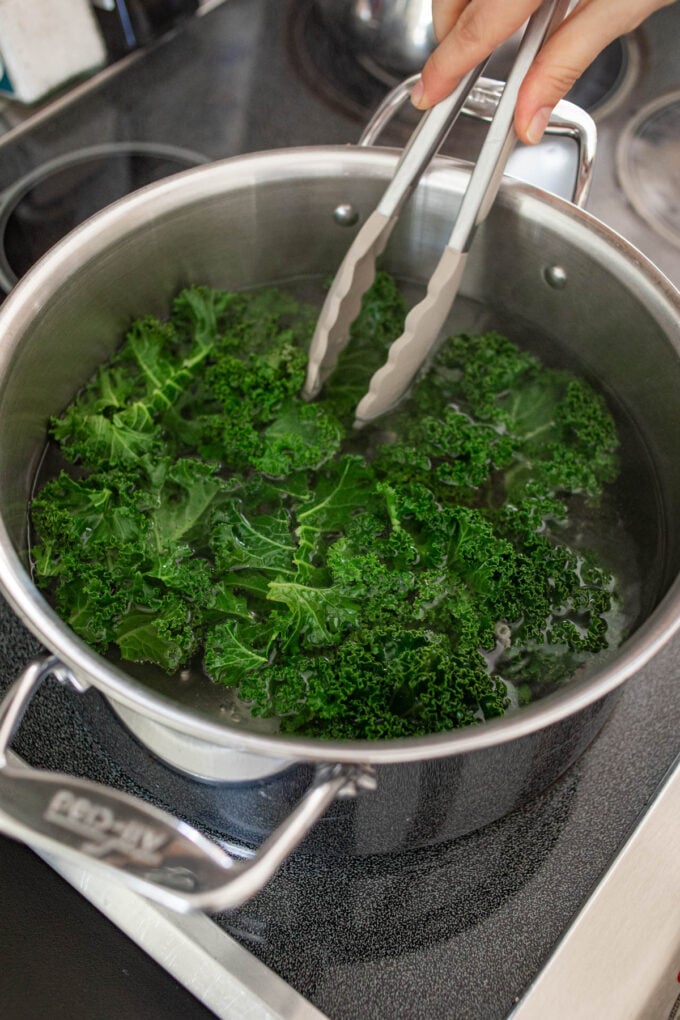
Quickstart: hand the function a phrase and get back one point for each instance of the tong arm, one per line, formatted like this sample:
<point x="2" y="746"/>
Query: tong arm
<point x="357" y="270"/>
<point x="425" y="321"/>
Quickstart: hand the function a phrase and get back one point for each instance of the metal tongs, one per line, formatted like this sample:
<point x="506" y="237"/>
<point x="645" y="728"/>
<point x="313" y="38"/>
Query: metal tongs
<point x="425" y="320"/>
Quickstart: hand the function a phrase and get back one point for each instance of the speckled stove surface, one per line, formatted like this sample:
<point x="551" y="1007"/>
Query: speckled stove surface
<point x="459" y="930"/>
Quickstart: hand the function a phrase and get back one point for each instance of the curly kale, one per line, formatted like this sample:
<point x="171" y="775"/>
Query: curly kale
<point x="401" y="582"/>
<point x="119" y="548"/>
<point x="553" y="430"/>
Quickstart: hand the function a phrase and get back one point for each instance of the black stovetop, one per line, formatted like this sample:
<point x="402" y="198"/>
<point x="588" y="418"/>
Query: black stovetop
<point x="455" y="931"/>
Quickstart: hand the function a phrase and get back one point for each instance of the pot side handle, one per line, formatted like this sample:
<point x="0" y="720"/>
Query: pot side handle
<point x="568" y="120"/>
<point x="157" y="855"/>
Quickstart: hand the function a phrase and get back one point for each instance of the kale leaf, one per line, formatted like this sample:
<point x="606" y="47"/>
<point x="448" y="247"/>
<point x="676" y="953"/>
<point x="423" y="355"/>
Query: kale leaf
<point x="392" y="584"/>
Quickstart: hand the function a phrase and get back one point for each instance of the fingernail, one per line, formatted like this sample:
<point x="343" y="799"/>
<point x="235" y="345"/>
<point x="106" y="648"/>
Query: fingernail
<point x="417" y="93"/>
<point x="538" y="124"/>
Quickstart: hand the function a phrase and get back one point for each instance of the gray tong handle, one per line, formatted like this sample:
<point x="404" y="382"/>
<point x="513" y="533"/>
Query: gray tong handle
<point x="357" y="270"/>
<point x="424" y="322"/>
<point x="567" y="120"/>
<point x="488" y="172"/>
<point x="424" y="143"/>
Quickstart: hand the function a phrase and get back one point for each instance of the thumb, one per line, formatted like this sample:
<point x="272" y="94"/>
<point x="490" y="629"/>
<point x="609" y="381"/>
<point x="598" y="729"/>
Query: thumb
<point x="569" y="51"/>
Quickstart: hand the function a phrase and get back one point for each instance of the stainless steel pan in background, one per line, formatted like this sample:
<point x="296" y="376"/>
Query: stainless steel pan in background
<point x="539" y="265"/>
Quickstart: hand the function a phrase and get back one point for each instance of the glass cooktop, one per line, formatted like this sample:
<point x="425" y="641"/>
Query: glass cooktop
<point x="458" y="930"/>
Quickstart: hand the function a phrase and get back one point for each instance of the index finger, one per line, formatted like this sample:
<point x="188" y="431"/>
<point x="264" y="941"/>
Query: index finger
<point x="479" y="27"/>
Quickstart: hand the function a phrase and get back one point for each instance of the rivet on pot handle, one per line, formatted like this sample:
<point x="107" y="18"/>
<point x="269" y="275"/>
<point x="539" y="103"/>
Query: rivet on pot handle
<point x="155" y="854"/>
<point x="567" y="120"/>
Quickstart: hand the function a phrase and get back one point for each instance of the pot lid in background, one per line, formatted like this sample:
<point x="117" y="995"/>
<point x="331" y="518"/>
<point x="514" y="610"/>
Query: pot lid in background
<point x="648" y="164"/>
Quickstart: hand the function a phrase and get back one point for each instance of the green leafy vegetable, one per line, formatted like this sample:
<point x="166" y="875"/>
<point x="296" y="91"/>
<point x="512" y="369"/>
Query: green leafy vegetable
<point x="413" y="579"/>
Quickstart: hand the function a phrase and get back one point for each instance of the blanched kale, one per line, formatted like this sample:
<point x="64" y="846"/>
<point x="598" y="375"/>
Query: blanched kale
<point x="392" y="584"/>
<point x="553" y="430"/>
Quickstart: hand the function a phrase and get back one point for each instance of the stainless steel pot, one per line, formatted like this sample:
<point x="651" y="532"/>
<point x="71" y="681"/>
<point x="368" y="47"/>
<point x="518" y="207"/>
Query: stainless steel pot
<point x="269" y="218"/>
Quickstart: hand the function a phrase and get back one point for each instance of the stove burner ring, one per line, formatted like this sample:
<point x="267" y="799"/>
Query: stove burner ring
<point x="608" y="80"/>
<point x="355" y="83"/>
<point x="44" y="205"/>
<point x="328" y="69"/>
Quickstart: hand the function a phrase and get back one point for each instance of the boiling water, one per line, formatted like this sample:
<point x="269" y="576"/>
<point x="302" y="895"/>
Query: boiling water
<point x="626" y="531"/>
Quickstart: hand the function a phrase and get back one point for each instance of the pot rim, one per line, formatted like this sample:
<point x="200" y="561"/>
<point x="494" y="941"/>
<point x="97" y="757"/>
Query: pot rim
<point x="39" y="617"/>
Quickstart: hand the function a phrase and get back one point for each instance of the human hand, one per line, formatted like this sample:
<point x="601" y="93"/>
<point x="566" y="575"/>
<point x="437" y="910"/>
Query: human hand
<point x="469" y="30"/>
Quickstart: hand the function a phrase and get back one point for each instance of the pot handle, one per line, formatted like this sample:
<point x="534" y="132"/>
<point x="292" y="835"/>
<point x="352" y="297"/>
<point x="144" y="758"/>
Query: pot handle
<point x="157" y="855"/>
<point x="567" y="120"/>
